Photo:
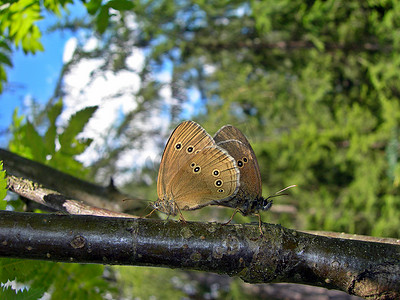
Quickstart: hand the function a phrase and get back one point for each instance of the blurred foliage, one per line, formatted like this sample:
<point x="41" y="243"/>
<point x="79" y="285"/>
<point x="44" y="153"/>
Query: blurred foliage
<point x="43" y="141"/>
<point x="313" y="84"/>
<point x="139" y="282"/>
<point x="61" y="281"/>
<point x="56" y="147"/>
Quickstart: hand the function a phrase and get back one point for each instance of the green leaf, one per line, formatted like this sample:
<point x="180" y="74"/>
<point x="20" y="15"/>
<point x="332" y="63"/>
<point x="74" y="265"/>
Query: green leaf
<point x="35" y="142"/>
<point x="22" y="271"/>
<point x="5" y="60"/>
<point x="103" y="19"/>
<point x="66" y="281"/>
<point x="3" y="187"/>
<point x="75" y="126"/>
<point x="120" y="4"/>
<point x="5" y="46"/>
<point x="3" y="78"/>
<point x="50" y="136"/>
<point x="19" y="142"/>
<point x="93" y="6"/>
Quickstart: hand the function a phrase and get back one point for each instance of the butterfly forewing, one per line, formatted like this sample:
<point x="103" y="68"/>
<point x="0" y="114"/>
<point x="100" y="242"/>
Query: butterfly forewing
<point x="185" y="141"/>
<point x="211" y="175"/>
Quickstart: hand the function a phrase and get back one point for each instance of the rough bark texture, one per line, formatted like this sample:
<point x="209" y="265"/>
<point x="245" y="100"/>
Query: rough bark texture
<point x="367" y="269"/>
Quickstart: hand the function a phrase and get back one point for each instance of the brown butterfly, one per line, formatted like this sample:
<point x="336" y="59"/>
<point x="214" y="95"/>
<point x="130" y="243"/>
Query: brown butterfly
<point x="248" y="200"/>
<point x="249" y="197"/>
<point x="194" y="171"/>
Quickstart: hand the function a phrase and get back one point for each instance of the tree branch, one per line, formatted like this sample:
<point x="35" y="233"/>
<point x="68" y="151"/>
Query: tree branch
<point x="360" y="268"/>
<point x="55" y="200"/>
<point x="93" y="194"/>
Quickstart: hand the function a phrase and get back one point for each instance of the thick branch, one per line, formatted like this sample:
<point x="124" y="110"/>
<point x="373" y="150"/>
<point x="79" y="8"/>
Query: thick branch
<point x="360" y="268"/>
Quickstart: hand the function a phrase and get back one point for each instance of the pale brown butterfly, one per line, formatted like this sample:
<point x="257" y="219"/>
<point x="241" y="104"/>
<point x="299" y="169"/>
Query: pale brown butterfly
<point x="248" y="199"/>
<point x="194" y="171"/>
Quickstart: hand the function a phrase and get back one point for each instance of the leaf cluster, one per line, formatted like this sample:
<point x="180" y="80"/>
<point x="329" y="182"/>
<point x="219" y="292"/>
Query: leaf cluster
<point x="18" y="27"/>
<point x="47" y="143"/>
<point x="67" y="281"/>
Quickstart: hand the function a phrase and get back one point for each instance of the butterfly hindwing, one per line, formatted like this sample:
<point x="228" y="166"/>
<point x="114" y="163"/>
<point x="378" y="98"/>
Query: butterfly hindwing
<point x="233" y="140"/>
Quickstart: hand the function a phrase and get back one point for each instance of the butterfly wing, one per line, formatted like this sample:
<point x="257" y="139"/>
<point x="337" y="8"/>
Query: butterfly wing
<point x="233" y="140"/>
<point x="187" y="139"/>
<point x="229" y="132"/>
<point x="210" y="176"/>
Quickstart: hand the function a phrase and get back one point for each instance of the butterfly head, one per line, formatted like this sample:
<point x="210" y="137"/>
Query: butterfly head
<point x="251" y="206"/>
<point x="166" y="206"/>
<point x="254" y="205"/>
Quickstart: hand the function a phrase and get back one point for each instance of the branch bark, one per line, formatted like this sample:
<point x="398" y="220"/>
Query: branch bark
<point x="361" y="268"/>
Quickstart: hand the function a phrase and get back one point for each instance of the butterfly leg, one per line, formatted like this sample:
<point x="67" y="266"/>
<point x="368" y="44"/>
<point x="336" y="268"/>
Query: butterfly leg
<point x="230" y="220"/>
<point x="180" y="215"/>
<point x="149" y="214"/>
<point x="259" y="224"/>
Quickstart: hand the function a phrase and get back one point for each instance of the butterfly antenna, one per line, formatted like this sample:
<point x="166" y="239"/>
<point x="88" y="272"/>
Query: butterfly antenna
<point x="135" y="199"/>
<point x="279" y="193"/>
<point x="286" y="188"/>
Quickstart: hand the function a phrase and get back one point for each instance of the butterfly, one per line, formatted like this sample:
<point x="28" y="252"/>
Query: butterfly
<point x="197" y="170"/>
<point x="194" y="171"/>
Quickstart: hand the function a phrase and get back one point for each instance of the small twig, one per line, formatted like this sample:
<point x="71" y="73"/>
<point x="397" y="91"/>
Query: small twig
<point x="55" y="200"/>
<point x="72" y="187"/>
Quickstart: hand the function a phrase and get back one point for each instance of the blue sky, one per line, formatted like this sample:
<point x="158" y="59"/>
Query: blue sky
<point x="33" y="75"/>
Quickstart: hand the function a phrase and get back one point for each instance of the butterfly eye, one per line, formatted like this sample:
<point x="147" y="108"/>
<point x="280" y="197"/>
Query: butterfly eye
<point x="253" y="204"/>
<point x="245" y="160"/>
<point x="197" y="169"/>
<point x="220" y="190"/>
<point x="215" y="172"/>
<point x="218" y="182"/>
<point x="189" y="149"/>
<point x="240" y="163"/>
<point x="193" y="164"/>
<point x="178" y="146"/>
